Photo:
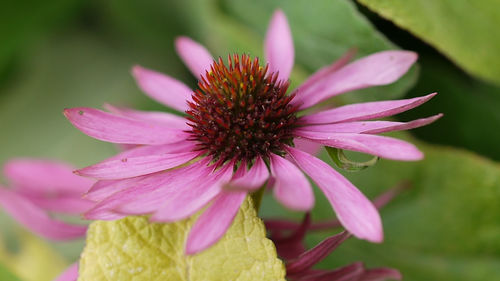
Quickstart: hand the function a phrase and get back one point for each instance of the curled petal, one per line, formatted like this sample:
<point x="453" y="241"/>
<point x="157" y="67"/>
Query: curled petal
<point x="196" y="57"/>
<point x="135" y="166"/>
<point x="291" y="188"/>
<point x="364" y="111"/>
<point x="356" y="213"/>
<point x="214" y="222"/>
<point x="64" y="204"/>
<point x="36" y="220"/>
<point x="117" y="129"/>
<point x="381" y="146"/>
<point x="378" y="69"/>
<point x="279" y="49"/>
<point x="162" y="88"/>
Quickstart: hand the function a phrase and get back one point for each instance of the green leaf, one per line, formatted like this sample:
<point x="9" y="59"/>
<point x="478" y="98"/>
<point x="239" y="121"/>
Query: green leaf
<point x="463" y="30"/>
<point x="134" y="249"/>
<point x="6" y="275"/>
<point x="445" y="227"/>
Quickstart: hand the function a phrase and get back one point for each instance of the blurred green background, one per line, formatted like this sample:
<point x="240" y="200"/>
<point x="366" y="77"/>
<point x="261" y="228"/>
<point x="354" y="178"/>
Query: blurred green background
<point x="66" y="53"/>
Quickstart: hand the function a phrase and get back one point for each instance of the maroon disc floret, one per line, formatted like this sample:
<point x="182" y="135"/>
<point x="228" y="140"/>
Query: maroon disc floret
<point x="240" y="111"/>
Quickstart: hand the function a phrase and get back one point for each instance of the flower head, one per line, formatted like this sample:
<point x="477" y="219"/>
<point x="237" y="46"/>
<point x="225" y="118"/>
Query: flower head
<point x="242" y="129"/>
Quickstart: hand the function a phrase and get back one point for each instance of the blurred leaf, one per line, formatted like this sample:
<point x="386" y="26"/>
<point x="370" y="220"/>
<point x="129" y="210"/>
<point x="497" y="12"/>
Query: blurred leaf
<point x="322" y="33"/>
<point x="33" y="261"/>
<point x="78" y="70"/>
<point x="6" y="275"/>
<point x="445" y="227"/>
<point x="25" y="20"/>
<point x="134" y="249"/>
<point x="463" y="30"/>
<point x="470" y="107"/>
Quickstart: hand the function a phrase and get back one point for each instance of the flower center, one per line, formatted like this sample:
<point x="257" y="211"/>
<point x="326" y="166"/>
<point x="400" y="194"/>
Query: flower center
<point x="240" y="111"/>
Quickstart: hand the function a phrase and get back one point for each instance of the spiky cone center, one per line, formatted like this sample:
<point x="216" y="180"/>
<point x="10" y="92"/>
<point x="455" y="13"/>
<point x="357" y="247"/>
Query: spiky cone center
<point x="240" y="111"/>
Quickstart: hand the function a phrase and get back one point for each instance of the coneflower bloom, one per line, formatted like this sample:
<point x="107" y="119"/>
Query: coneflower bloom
<point x="239" y="131"/>
<point x="41" y="187"/>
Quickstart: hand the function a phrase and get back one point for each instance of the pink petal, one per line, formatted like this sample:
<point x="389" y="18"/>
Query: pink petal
<point x="278" y="48"/>
<point x="370" y="127"/>
<point x="161" y="118"/>
<point x="364" y="111"/>
<point x="145" y="194"/>
<point x="148" y="150"/>
<point x="214" y="222"/>
<point x="384" y="147"/>
<point x="303" y="89"/>
<point x="356" y="213"/>
<point x="291" y="188"/>
<point x="196" y="57"/>
<point x="307" y="146"/>
<point x="135" y="166"/>
<point x="36" y="220"/>
<point x="162" y="88"/>
<point x="44" y="177"/>
<point x="70" y="274"/>
<point x="193" y="197"/>
<point x="64" y="204"/>
<point x="378" y="69"/>
<point x="113" y="128"/>
<point x="251" y="179"/>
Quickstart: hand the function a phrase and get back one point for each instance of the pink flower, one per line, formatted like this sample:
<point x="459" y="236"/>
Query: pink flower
<point x="240" y="124"/>
<point x="40" y="187"/>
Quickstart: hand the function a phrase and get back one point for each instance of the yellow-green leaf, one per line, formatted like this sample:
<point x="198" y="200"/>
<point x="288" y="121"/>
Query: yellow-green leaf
<point x="134" y="249"/>
<point x="35" y="260"/>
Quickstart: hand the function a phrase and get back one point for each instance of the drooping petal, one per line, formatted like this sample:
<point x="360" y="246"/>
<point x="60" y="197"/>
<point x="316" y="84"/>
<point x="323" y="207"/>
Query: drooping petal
<point x="364" y="111"/>
<point x="44" y="176"/>
<point x="278" y="48"/>
<point x="196" y="195"/>
<point x="291" y="187"/>
<point x="378" y="69"/>
<point x="370" y="127"/>
<point x="36" y="220"/>
<point x="117" y="129"/>
<point x="356" y="213"/>
<point x="161" y="118"/>
<point x="162" y="88"/>
<point x="135" y="166"/>
<point x="196" y="57"/>
<point x="214" y="222"/>
<point x="303" y="89"/>
<point x="70" y="274"/>
<point x="251" y="179"/>
<point x="385" y="147"/>
<point x="145" y="194"/>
